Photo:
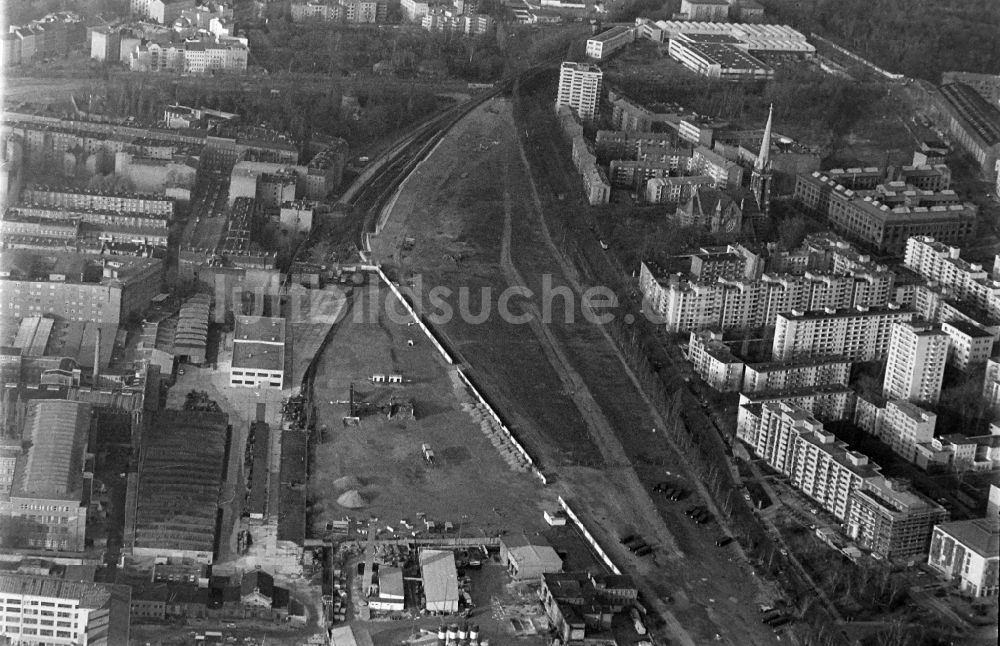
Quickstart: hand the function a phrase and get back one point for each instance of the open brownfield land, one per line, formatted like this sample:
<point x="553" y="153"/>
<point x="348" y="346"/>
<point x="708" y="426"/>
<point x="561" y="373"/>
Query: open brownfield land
<point x="468" y="218"/>
<point x="468" y="484"/>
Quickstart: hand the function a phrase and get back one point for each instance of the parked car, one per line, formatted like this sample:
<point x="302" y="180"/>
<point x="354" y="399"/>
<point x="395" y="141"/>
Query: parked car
<point x="722" y="541"/>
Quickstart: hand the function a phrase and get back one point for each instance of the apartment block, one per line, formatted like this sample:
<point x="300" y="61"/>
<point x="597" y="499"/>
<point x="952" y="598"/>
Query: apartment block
<point x="795" y="443"/>
<point x="893" y="521"/>
<point x="901" y="425"/>
<point x="97" y="200"/>
<point x="580" y="88"/>
<point x="915" y="363"/>
<point x="50" y="610"/>
<point x="726" y="173"/>
<point x="858" y="334"/>
<point x="628" y="144"/>
<point x="739" y="303"/>
<point x="714" y="361"/>
<point x="967" y="552"/>
<point x="190" y="57"/>
<point x="608" y="42"/>
<point x="886" y="219"/>
<point x="827" y="403"/>
<point x="943" y="264"/>
<point x="77" y="287"/>
<point x="968" y="344"/>
<point x="925" y="177"/>
<point x="788" y="375"/>
<point x="991" y="385"/>
<point x="596" y="185"/>
<point x="164" y="12"/>
<point x="661" y="190"/>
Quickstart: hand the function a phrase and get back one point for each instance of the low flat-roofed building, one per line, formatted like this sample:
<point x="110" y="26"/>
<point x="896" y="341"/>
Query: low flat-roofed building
<point x="180" y="475"/>
<point x="604" y="44"/>
<point x="581" y="605"/>
<point x="258" y="352"/>
<point x="968" y="553"/>
<point x="191" y="333"/>
<point x="49" y="489"/>
<point x="718" y="59"/>
<point x="390" y="590"/>
<point x="528" y="558"/>
<point x="51" y="610"/>
<point x="440" y="578"/>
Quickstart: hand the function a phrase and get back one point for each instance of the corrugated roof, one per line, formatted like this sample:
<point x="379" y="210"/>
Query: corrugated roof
<point x="90" y="595"/>
<point x="52" y="467"/>
<point x="440" y="577"/>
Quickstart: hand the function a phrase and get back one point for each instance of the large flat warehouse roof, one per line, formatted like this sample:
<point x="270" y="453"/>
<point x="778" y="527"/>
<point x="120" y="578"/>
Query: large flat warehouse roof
<point x="181" y="470"/>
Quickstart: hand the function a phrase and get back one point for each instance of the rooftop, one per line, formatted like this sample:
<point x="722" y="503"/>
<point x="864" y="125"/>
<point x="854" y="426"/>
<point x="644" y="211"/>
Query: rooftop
<point x="897" y="497"/>
<point x="614" y="32"/>
<point x="181" y="469"/>
<point x="52" y="465"/>
<point x="89" y="595"/>
<point x="968" y="329"/>
<point x="255" y="355"/>
<point x="262" y="329"/>
<point x="881" y="310"/>
<point x="981" y="535"/>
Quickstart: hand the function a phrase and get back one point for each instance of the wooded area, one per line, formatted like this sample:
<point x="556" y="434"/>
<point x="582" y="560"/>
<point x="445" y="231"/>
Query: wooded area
<point x="919" y="38"/>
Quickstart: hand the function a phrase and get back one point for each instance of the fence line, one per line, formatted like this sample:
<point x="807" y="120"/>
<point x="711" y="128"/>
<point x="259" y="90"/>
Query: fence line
<point x="590" y="537"/>
<point x="503" y="427"/>
<point x="416" y="318"/>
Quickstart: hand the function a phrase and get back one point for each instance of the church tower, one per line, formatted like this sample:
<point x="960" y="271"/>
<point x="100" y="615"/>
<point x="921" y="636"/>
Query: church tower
<point x="760" y="178"/>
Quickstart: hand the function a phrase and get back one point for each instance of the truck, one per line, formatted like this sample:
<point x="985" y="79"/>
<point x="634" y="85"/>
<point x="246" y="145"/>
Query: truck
<point x="428" y="453"/>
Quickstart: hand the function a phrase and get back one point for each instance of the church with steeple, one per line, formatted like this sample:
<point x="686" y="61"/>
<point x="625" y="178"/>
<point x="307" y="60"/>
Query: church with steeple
<point x="761" y="177"/>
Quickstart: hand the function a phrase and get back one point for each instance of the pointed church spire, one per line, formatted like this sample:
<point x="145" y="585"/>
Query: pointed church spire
<point x="760" y="178"/>
<point x="764" y="157"/>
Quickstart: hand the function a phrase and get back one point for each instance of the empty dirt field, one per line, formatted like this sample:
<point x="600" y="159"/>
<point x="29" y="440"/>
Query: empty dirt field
<point x="467" y="218"/>
<point x="468" y="484"/>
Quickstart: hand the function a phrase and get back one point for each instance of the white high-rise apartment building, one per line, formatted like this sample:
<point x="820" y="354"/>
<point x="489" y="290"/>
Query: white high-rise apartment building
<point x="914" y="367"/>
<point x="858" y="334"/>
<point x="580" y="88"/>
<point x="943" y="264"/>
<point x="901" y="425"/>
<point x="795" y="443"/>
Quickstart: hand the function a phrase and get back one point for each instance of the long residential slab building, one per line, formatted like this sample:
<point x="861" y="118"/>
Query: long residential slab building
<point x="882" y="515"/>
<point x="683" y="303"/>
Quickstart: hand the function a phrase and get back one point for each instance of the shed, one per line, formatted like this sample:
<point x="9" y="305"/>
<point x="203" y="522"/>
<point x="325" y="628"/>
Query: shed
<point x="528" y="558"/>
<point x="440" y="578"/>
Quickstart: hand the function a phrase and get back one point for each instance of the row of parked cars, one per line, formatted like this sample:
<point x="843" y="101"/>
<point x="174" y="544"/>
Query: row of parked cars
<point x="670" y="491"/>
<point x="637" y="545"/>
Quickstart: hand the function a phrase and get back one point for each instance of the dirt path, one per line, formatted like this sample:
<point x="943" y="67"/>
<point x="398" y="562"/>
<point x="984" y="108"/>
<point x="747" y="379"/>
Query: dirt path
<point x="475" y="219"/>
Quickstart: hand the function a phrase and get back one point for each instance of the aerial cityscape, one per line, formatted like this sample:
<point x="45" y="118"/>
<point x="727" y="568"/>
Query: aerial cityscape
<point x="500" y="322"/>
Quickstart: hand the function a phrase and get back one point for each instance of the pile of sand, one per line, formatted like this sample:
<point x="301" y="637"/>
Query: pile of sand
<point x="347" y="482"/>
<point x="351" y="500"/>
